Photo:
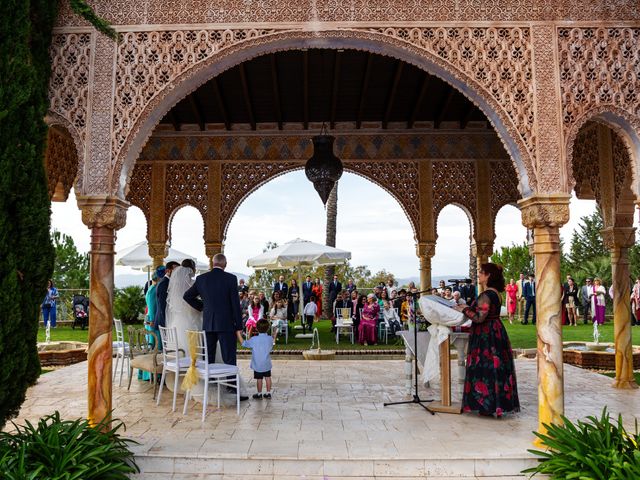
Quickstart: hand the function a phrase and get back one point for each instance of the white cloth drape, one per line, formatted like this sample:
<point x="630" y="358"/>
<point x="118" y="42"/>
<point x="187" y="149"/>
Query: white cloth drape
<point x="441" y="317"/>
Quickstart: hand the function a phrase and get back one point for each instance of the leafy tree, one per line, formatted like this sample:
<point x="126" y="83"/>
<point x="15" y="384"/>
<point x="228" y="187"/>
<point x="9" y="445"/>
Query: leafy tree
<point x="587" y="243"/>
<point x="129" y="303"/>
<point x="26" y="252"/>
<point x="71" y="268"/>
<point x="382" y="276"/>
<point x="515" y="260"/>
<point x="634" y="261"/>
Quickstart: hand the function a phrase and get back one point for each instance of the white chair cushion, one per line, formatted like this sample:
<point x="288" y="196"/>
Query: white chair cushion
<point x="183" y="362"/>
<point x="145" y="362"/>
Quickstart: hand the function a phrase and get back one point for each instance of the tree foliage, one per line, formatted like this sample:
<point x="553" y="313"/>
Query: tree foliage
<point x="515" y="260"/>
<point x="71" y="268"/>
<point x="587" y="242"/>
<point x="129" y="303"/>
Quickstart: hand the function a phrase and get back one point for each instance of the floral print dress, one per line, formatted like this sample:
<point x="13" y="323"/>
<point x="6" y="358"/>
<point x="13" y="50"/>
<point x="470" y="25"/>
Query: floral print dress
<point x="490" y="382"/>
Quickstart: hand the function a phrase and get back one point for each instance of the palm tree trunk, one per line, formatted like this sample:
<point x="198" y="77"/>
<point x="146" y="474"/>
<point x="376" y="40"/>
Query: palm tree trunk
<point x="332" y="215"/>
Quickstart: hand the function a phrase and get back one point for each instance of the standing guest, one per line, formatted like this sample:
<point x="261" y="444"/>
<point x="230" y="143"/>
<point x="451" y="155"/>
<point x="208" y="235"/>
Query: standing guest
<point x="358" y="305"/>
<point x="307" y="290"/>
<point x="397" y="302"/>
<point x="471" y="293"/>
<point x="598" y="301"/>
<point x="412" y="285"/>
<point x="293" y="301"/>
<point x="152" y="302"/>
<point x="49" y="305"/>
<point x="368" y="321"/>
<point x="490" y="382"/>
<point x="350" y="286"/>
<point x="585" y="300"/>
<point x="164" y="274"/>
<point x="565" y="319"/>
<point x="278" y="318"/>
<point x="244" y="305"/>
<point x="335" y="287"/>
<point x="263" y="301"/>
<point x="570" y="300"/>
<point x="512" y="299"/>
<point x="280" y="286"/>
<point x="261" y="346"/>
<point x="520" y="297"/>
<point x="255" y="313"/>
<point x="635" y="301"/>
<point x="242" y="288"/>
<point x="441" y="286"/>
<point x="389" y="286"/>
<point x="317" y="293"/>
<point x="529" y="292"/>
<point x="391" y="318"/>
<point x="309" y="314"/>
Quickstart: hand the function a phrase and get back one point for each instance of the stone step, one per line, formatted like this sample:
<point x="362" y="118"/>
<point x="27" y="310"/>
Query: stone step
<point x="163" y="466"/>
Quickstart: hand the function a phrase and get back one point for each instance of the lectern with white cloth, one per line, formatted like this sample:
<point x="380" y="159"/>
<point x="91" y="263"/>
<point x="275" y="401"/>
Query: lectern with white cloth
<point x="439" y="313"/>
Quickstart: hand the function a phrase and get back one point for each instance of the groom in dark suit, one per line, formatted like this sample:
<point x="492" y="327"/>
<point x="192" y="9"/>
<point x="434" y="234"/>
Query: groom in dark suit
<point x="215" y="293"/>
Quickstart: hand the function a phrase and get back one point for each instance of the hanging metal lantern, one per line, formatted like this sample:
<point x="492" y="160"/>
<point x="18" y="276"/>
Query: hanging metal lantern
<point x="323" y="169"/>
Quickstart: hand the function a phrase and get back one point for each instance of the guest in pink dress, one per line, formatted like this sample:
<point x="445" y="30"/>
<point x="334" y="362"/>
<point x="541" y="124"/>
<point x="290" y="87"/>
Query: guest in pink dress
<point x="512" y="299"/>
<point x="367" y="329"/>
<point x="256" y="313"/>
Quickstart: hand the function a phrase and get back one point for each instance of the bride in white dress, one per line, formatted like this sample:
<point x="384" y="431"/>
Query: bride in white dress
<point x="183" y="317"/>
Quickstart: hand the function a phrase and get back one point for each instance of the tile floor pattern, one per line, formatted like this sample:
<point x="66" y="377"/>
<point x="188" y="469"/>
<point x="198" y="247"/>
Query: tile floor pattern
<point x="326" y="421"/>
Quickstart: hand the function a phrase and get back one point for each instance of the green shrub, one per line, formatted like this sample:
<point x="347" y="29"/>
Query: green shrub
<point x="65" y="449"/>
<point x="129" y="303"/>
<point x="597" y="449"/>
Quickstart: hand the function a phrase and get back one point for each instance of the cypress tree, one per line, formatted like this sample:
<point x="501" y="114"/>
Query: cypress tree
<point x="26" y="253"/>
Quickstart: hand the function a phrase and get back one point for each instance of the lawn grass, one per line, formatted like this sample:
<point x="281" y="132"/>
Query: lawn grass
<point x="613" y="375"/>
<point x="521" y="336"/>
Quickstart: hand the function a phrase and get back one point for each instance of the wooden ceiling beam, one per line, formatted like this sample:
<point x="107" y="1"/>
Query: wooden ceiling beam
<point x="247" y="95"/>
<point x="419" y="100"/>
<point x="173" y="118"/>
<point x="276" y="90"/>
<point x="334" y="90"/>
<point x="443" y="108"/>
<point x="221" y="106"/>
<point x="363" y="90"/>
<point x="197" y="110"/>
<point x="392" y="94"/>
<point x="305" y="89"/>
<point x="467" y="116"/>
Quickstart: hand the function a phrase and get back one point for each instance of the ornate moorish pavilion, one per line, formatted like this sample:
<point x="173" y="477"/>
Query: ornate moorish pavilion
<point x="468" y="103"/>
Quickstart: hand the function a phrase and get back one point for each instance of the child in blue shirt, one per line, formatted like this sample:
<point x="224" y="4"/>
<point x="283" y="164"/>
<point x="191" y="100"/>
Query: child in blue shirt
<point x="261" y="346"/>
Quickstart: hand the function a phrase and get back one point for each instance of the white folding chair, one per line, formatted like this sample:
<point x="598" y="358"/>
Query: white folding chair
<point x="121" y="351"/>
<point x="211" y="373"/>
<point x="171" y="361"/>
<point x="343" y="323"/>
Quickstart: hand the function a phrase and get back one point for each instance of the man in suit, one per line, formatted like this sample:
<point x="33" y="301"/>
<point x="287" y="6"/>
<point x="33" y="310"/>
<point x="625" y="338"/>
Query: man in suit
<point x="520" y="295"/>
<point x="161" y="294"/>
<point x="281" y="286"/>
<point x="335" y="287"/>
<point x="215" y="294"/>
<point x="307" y="287"/>
<point x="242" y="287"/>
<point x="585" y="300"/>
<point x="529" y="292"/>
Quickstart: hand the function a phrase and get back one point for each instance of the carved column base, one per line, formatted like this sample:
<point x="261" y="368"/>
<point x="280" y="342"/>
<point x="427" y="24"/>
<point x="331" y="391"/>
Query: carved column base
<point x="545" y="214"/>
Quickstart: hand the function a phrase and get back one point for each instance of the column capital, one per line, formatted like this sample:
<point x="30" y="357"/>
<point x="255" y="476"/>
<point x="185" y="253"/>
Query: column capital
<point x="212" y="248"/>
<point x="103" y="211"/>
<point x="426" y="249"/>
<point x="550" y="210"/>
<point x="158" y="249"/>
<point x="482" y="249"/>
<point x="618" y="237"/>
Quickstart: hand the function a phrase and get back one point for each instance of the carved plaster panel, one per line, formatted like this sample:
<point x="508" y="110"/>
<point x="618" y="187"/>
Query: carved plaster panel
<point x="186" y="184"/>
<point x="455" y="183"/>
<point x="504" y="186"/>
<point x="585" y="163"/>
<point x="140" y="188"/>
<point x="61" y="163"/>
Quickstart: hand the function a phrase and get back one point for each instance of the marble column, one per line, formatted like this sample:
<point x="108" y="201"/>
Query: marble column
<point x="211" y="249"/>
<point x="425" y="252"/>
<point x="545" y="214"/>
<point x="619" y="240"/>
<point x="158" y="252"/>
<point x="103" y="215"/>
<point x="482" y="250"/>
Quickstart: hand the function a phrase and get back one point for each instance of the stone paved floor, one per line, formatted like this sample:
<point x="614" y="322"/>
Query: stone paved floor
<point x="326" y="420"/>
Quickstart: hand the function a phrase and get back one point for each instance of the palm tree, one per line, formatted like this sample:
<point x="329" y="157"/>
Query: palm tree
<point x="332" y="215"/>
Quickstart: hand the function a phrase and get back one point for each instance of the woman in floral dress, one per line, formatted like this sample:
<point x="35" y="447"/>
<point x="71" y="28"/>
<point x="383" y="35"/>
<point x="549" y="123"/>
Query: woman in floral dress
<point x="490" y="383"/>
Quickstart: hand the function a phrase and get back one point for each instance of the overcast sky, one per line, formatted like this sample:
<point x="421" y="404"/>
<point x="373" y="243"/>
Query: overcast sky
<point x="371" y="225"/>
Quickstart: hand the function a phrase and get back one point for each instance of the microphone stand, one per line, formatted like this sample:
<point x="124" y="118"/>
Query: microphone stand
<point x="416" y="397"/>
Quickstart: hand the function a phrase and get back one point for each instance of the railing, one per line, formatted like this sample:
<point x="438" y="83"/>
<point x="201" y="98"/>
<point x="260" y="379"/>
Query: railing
<point x="64" y="304"/>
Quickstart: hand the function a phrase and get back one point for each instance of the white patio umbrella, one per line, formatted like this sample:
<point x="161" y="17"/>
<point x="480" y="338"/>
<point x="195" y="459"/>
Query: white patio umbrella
<point x="137" y="257"/>
<point x="299" y="253"/>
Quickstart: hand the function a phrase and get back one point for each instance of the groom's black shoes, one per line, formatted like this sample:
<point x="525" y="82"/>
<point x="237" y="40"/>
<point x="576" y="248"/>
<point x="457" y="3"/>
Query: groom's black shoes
<point x="233" y="391"/>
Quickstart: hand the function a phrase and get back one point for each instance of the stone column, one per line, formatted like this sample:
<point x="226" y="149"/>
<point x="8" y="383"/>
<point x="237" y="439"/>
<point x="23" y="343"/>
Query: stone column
<point x="425" y="252"/>
<point x="211" y="249"/>
<point x="619" y="240"/>
<point x="103" y="215"/>
<point x="545" y="214"/>
<point x="482" y="250"/>
<point x="158" y="252"/>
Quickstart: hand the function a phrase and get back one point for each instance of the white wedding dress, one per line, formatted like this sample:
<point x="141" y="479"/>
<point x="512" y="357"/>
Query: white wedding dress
<point x="183" y="317"/>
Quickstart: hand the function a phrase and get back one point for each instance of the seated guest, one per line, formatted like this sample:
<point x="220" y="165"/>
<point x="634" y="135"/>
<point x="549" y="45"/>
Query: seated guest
<point x="434" y="291"/>
<point x="391" y="318"/>
<point x="368" y="321"/>
<point x="263" y="301"/>
<point x="275" y="298"/>
<point x="278" y="318"/>
<point x="255" y="312"/>
<point x="342" y="301"/>
<point x="457" y="298"/>
<point x="448" y="294"/>
<point x="383" y="297"/>
<point x="397" y="302"/>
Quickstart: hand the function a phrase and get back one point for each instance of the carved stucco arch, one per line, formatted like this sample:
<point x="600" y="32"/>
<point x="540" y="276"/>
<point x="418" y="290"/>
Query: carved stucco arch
<point x="508" y="204"/>
<point x="378" y="42"/>
<point x="465" y="209"/>
<point x="52" y="119"/>
<point x="623" y="124"/>
<point x="226" y="221"/>
<point x="172" y="215"/>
